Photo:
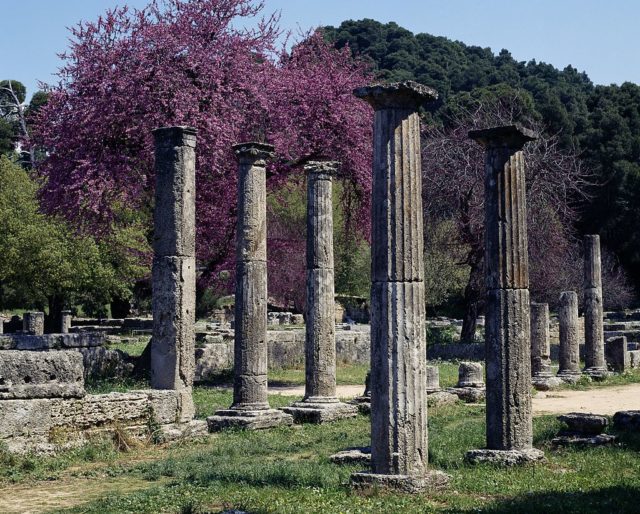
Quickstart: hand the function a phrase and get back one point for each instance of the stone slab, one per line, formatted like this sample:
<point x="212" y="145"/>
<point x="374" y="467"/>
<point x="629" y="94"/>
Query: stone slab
<point x="570" y="377"/>
<point x="584" y="440"/>
<point x="545" y="383"/>
<point x="469" y="394"/>
<point x="357" y="455"/>
<point x="310" y="412"/>
<point x="505" y="457"/>
<point x="431" y="481"/>
<point x="31" y="375"/>
<point x="440" y="398"/>
<point x="585" y="423"/>
<point x="627" y="420"/>
<point x="248" y="420"/>
<point x="51" y="341"/>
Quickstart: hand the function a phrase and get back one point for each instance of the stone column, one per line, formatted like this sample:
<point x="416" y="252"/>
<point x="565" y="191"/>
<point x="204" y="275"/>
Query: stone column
<point x="569" y="343"/>
<point x="65" y="322"/>
<point x="595" y="365"/>
<point x="616" y="351"/>
<point x="507" y="328"/>
<point x="174" y="267"/>
<point x="33" y="323"/>
<point x="398" y="340"/>
<point x="541" y="375"/>
<point x="250" y="407"/>
<point x="320" y="403"/>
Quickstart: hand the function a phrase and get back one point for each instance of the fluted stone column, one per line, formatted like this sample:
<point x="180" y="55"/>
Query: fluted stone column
<point x="398" y="347"/>
<point x="541" y="374"/>
<point x="174" y="267"/>
<point x="250" y="407"/>
<point x="507" y="328"/>
<point x="569" y="370"/>
<point x="320" y="403"/>
<point x="595" y="365"/>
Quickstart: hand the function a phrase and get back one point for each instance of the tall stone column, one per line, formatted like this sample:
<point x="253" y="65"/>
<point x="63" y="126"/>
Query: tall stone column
<point x="595" y="365"/>
<point x="250" y="407"/>
<point x="507" y="328"/>
<point x="399" y="446"/>
<point x="174" y="267"/>
<point x="541" y="376"/>
<point x="320" y="403"/>
<point x="569" y="370"/>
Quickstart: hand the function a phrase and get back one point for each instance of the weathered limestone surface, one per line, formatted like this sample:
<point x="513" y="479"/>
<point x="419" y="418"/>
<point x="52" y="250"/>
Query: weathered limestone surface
<point x="51" y="341"/>
<point x="173" y="272"/>
<point x="470" y="387"/>
<point x="542" y="377"/>
<point x="45" y="425"/>
<point x="320" y="404"/>
<point x="398" y="340"/>
<point x="33" y="323"/>
<point x="433" y="379"/>
<point x="507" y="322"/>
<point x="569" y="370"/>
<point x="584" y="429"/>
<point x="595" y="365"/>
<point x="27" y="375"/>
<point x="627" y="420"/>
<point x="618" y="358"/>
<point x="250" y="409"/>
<point x="65" y="322"/>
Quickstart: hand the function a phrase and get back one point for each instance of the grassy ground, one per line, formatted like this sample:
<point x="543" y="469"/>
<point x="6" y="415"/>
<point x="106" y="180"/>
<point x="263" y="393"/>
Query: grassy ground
<point x="287" y="471"/>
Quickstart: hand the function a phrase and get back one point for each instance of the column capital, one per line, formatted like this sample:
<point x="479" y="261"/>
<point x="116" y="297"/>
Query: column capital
<point x="397" y="95"/>
<point x="322" y="169"/>
<point x="511" y="136"/>
<point x="253" y="151"/>
<point x="175" y="136"/>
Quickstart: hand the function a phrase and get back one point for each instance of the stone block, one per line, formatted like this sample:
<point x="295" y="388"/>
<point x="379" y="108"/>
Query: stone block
<point x="51" y="341"/>
<point x="627" y="420"/>
<point x="309" y="411"/>
<point x="616" y="354"/>
<point x="505" y="457"/>
<point x="585" y="423"/>
<point x="248" y="419"/>
<point x="27" y="375"/>
<point x="432" y="480"/>
<point x="351" y="456"/>
<point x="33" y="323"/>
<point x="634" y="358"/>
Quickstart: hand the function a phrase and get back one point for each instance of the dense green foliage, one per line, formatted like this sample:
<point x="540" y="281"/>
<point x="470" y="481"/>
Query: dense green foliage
<point x="600" y="123"/>
<point x="43" y="263"/>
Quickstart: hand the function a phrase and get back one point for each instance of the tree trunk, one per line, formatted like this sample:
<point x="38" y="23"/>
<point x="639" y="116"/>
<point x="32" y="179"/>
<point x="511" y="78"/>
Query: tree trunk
<point x="54" y="320"/>
<point x="473" y="304"/>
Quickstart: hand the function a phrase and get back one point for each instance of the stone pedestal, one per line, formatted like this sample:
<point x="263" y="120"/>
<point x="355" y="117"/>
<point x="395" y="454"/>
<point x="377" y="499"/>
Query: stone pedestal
<point x="618" y="358"/>
<point x="569" y="370"/>
<point x="320" y="404"/>
<point x="433" y="379"/>
<point x="398" y="339"/>
<point x="174" y="266"/>
<point x="65" y="322"/>
<point x="595" y="365"/>
<point x="470" y="387"/>
<point x="507" y="325"/>
<point x="542" y="377"/>
<point x="250" y="409"/>
<point x="33" y="323"/>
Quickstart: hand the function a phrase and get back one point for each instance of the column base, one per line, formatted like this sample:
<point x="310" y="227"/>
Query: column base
<point x="596" y="373"/>
<point x="361" y="456"/>
<point x="431" y="481"/>
<point x="363" y="403"/>
<point x="320" y="410"/>
<point x="569" y="377"/>
<point x="504" y="457"/>
<point x="248" y="419"/>
<point x="545" y="382"/>
<point x="438" y="398"/>
<point x="469" y="394"/>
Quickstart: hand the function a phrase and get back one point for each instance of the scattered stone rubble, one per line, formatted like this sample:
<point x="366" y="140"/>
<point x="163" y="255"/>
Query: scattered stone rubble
<point x="583" y="430"/>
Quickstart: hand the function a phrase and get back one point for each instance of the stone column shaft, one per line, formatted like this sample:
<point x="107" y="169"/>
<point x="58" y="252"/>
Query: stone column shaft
<point x="398" y="339"/>
<point x="250" y="386"/>
<point x="507" y="328"/>
<point x="540" y="340"/>
<point x="593" y="309"/>
<point x="33" y="323"/>
<point x="569" y="342"/>
<point x="320" y="344"/>
<point x="174" y="269"/>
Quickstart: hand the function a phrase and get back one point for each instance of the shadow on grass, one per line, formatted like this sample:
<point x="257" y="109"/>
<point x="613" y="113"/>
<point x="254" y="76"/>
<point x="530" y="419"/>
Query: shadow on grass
<point x="619" y="500"/>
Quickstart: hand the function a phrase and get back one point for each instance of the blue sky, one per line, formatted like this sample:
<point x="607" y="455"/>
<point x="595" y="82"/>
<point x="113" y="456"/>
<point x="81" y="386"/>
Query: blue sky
<point x="596" y="36"/>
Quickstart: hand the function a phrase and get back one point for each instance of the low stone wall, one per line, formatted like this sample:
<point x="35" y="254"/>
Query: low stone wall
<point x="286" y="350"/>
<point x="51" y="341"/>
<point x="48" y="425"/>
<point x="475" y="351"/>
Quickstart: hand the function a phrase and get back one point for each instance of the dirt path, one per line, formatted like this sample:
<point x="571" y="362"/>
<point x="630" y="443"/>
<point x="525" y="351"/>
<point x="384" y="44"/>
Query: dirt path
<point x="601" y="400"/>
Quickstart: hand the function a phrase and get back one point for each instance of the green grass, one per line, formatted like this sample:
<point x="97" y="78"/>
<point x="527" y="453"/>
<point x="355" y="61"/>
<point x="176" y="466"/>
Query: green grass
<point x="287" y="471"/>
<point x="134" y="348"/>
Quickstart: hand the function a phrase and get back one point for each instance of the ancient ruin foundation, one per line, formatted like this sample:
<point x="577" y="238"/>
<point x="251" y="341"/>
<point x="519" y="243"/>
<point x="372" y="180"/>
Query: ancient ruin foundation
<point x="174" y="269"/>
<point x="507" y="329"/>
<point x="595" y="365"/>
<point x="250" y="407"/>
<point x="398" y="347"/>
<point x="320" y="403"/>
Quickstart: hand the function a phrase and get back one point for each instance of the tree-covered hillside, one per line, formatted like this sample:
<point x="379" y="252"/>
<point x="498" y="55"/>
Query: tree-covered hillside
<point x="599" y="123"/>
